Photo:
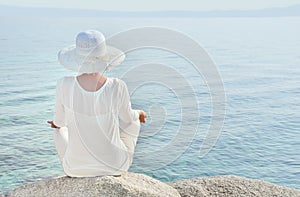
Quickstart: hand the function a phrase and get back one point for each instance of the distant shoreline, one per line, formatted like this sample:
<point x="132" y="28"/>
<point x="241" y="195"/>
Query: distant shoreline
<point x="290" y="11"/>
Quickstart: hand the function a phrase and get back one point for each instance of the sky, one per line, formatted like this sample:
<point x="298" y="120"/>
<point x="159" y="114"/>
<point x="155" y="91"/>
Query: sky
<point x="154" y="5"/>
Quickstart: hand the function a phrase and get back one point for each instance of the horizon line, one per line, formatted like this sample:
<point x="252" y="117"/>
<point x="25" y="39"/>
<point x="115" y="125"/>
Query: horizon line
<point x="141" y="11"/>
<point x="286" y="11"/>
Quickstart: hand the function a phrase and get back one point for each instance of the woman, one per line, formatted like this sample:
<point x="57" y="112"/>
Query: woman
<point x="96" y="128"/>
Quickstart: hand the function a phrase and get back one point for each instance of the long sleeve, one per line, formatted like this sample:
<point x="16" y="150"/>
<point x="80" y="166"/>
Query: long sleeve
<point x="59" y="111"/>
<point x="126" y="113"/>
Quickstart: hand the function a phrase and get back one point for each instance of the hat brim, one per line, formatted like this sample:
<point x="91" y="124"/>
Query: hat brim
<point x="89" y="64"/>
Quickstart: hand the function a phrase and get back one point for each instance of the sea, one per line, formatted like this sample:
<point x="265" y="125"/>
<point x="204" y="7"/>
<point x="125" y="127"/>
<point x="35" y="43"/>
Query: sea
<point x="257" y="64"/>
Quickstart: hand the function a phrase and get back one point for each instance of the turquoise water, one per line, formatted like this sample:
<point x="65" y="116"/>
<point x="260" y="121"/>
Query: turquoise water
<point x="258" y="59"/>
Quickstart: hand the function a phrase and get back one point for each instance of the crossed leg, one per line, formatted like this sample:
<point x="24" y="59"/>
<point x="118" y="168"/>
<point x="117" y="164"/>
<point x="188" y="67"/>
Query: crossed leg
<point x="61" y="141"/>
<point x="128" y="133"/>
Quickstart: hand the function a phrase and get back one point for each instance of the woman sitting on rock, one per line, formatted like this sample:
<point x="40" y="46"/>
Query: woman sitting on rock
<point x="96" y="128"/>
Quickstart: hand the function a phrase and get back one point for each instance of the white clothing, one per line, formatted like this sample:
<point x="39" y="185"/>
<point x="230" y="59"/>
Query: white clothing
<point x="99" y="129"/>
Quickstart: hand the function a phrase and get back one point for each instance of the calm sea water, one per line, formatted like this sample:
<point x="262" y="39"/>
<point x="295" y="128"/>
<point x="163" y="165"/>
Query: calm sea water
<point x="258" y="59"/>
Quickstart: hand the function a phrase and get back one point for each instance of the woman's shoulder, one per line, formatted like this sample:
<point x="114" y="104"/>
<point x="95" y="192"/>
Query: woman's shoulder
<point x="64" y="81"/>
<point x="116" y="81"/>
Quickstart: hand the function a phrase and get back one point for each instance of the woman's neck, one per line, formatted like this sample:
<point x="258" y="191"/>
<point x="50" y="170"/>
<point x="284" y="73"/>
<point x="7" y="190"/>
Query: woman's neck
<point x="91" y="81"/>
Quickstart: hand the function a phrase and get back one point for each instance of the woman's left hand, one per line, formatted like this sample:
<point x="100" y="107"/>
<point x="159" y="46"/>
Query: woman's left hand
<point x="52" y="124"/>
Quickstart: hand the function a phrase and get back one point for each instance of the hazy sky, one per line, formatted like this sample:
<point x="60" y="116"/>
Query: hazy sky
<point x="148" y="5"/>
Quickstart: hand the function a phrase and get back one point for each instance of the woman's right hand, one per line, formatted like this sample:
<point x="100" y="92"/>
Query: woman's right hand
<point x="52" y="124"/>
<point x="143" y="116"/>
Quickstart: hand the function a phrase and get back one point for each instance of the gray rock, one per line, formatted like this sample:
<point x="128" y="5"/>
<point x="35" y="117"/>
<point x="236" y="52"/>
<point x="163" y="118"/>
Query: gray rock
<point x="230" y="186"/>
<point x="1" y="195"/>
<point x="128" y="184"/>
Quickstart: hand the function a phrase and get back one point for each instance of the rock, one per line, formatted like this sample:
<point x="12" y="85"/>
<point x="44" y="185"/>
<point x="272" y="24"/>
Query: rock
<point x="230" y="186"/>
<point x="128" y="184"/>
<point x="1" y="195"/>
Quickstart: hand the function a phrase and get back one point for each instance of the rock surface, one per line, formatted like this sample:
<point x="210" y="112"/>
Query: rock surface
<point x="230" y="186"/>
<point x="128" y="184"/>
<point x="1" y="195"/>
<point x="133" y="184"/>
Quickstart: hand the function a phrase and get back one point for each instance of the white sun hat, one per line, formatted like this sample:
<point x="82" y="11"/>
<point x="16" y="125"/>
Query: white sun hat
<point x="90" y="54"/>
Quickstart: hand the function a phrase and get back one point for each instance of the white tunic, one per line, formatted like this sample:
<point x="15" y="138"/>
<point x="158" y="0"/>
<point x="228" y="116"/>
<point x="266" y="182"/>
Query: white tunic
<point x="93" y="120"/>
